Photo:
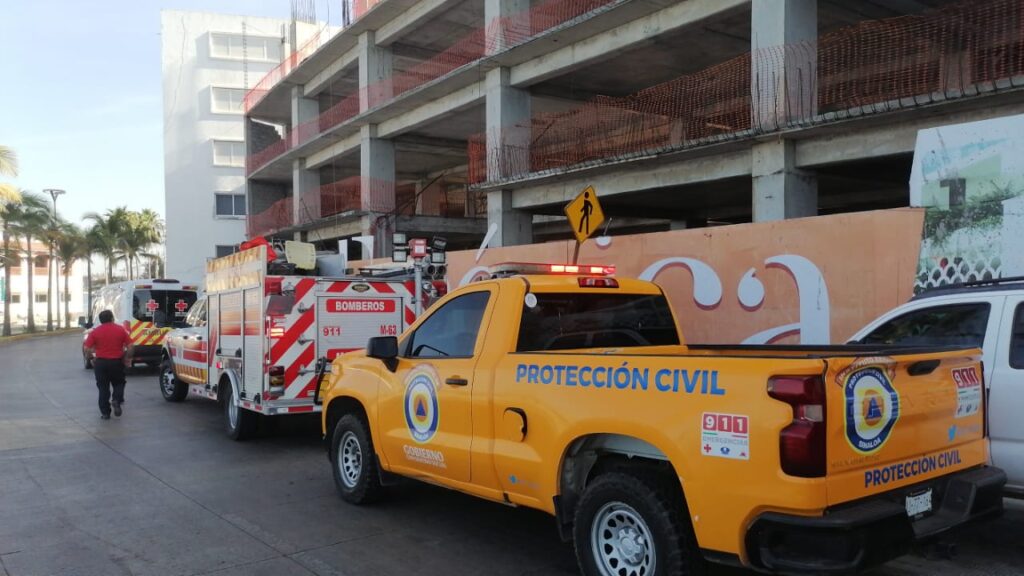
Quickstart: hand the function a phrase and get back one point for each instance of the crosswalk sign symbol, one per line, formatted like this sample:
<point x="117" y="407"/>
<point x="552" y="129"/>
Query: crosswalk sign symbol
<point x="584" y="214"/>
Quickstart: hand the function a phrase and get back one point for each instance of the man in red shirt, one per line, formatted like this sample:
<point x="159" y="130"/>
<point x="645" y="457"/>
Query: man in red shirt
<point x="113" y="348"/>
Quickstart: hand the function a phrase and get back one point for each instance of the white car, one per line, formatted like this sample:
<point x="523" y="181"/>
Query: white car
<point x="987" y="314"/>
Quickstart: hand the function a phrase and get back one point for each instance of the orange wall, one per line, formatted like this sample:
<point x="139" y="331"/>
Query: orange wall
<point x="852" y="267"/>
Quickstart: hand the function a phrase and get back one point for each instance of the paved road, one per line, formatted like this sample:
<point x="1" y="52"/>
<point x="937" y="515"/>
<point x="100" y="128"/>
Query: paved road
<point x="161" y="491"/>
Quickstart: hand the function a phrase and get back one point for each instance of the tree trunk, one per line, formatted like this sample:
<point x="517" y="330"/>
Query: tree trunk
<point x="67" y="313"/>
<point x="31" y="294"/>
<point x="7" y="282"/>
<point x="110" y="269"/>
<point x="49" y="290"/>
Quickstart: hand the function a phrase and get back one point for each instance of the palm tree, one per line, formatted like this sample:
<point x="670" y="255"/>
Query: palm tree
<point x="7" y="257"/>
<point x="27" y="219"/>
<point x="8" y="167"/>
<point x="96" y="242"/>
<point x="71" y="245"/>
<point x="104" y="237"/>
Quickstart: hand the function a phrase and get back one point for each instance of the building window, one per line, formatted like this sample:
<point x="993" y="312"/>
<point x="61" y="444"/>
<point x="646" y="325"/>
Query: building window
<point x="229" y="153"/>
<point x="228" y="250"/>
<point x="252" y="48"/>
<point x="40" y="297"/>
<point x="15" y="298"/>
<point x="230" y="204"/>
<point x="226" y="100"/>
<point x="41" y="264"/>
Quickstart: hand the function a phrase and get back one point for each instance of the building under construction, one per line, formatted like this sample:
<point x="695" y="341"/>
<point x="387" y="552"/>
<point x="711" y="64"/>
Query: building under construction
<point x="445" y="117"/>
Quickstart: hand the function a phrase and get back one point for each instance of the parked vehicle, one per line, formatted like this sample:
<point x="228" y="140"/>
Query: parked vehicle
<point x="148" y="309"/>
<point x="986" y="314"/>
<point x="252" y="342"/>
<point x="653" y="455"/>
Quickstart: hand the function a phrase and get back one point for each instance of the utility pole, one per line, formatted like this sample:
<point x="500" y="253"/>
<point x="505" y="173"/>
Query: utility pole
<point x="54" y="193"/>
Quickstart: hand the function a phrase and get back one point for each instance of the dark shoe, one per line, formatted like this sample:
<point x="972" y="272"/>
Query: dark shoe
<point x="117" y="408"/>
<point x="104" y="416"/>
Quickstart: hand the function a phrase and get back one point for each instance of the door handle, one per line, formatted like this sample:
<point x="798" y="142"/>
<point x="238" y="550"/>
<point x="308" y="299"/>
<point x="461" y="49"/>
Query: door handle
<point x="456" y="381"/>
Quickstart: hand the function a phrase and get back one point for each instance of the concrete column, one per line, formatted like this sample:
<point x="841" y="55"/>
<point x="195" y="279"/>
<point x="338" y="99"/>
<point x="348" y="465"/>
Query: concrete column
<point x="374" y="72"/>
<point x="780" y="189"/>
<point x="508" y="23"/>
<point x="784" y="46"/>
<point x="508" y="126"/>
<point x="514" y="226"/>
<point x="377" y="182"/>
<point x="305" y="183"/>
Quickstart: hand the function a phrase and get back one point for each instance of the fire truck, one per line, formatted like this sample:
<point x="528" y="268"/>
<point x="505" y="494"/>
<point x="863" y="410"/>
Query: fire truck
<point x="253" y="343"/>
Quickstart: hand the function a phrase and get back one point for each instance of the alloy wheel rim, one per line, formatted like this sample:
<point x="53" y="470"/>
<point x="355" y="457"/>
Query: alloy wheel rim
<point x="167" y="379"/>
<point x="350" y="460"/>
<point x="232" y="413"/>
<point x="622" y="543"/>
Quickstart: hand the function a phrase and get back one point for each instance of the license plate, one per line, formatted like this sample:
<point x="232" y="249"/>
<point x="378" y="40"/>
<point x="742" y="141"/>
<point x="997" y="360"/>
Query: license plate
<point x="919" y="504"/>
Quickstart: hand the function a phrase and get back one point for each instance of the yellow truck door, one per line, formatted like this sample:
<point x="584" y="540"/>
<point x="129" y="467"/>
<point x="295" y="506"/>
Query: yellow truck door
<point x="426" y="414"/>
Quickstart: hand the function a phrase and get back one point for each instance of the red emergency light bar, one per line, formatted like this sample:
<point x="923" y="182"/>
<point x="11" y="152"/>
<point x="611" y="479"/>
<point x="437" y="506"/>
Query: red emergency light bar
<point x="514" y="268"/>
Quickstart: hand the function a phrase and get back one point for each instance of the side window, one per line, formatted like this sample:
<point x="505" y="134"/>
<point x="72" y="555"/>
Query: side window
<point x="452" y="329"/>
<point x="952" y="325"/>
<point x="1017" y="339"/>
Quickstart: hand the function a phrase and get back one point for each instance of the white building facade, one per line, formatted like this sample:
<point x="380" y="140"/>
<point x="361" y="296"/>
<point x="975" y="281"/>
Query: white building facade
<point x="21" y="295"/>
<point x="209" y="62"/>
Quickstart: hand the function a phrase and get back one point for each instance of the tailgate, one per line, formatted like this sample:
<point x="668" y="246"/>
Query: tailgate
<point x="896" y="421"/>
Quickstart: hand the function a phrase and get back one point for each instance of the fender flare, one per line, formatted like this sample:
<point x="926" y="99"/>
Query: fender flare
<point x="233" y="378"/>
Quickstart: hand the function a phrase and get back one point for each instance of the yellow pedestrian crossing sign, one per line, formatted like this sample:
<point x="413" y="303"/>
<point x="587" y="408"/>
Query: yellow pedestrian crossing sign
<point x="584" y="214"/>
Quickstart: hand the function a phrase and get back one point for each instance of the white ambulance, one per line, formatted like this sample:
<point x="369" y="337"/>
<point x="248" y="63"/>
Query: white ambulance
<point x="253" y="343"/>
<point x="148" y="309"/>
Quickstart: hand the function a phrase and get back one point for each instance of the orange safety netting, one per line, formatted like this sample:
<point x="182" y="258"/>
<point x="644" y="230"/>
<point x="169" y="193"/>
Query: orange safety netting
<point x="276" y="217"/>
<point x="959" y="51"/>
<point x="502" y="34"/>
<point x="253" y="96"/>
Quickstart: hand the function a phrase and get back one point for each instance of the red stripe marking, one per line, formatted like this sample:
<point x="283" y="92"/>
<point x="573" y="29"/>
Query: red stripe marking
<point x="410" y="315"/>
<point x="303" y="288"/>
<point x="293" y="334"/>
<point x="383" y="287"/>
<point x="195" y="356"/>
<point x="304" y="359"/>
<point x="339" y="286"/>
<point x="300" y="409"/>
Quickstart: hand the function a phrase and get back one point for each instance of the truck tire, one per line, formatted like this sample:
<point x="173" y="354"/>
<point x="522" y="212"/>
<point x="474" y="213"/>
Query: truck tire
<point x="634" y="525"/>
<point x="172" y="389"/>
<point x="239" y="423"/>
<point x="356" y="470"/>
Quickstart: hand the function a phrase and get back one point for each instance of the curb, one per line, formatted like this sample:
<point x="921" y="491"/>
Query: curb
<point x="36" y="335"/>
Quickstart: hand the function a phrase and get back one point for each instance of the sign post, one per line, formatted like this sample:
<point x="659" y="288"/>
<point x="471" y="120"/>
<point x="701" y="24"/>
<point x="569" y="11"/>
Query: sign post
<point x="585" y="216"/>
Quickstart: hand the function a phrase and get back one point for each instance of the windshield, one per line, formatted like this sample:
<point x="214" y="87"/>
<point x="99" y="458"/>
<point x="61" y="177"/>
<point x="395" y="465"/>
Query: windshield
<point x="164" y="308"/>
<point x="567" y="321"/>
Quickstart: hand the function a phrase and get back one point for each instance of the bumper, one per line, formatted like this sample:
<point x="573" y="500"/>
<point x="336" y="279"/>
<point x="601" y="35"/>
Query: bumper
<point x="147" y="353"/>
<point x="853" y="537"/>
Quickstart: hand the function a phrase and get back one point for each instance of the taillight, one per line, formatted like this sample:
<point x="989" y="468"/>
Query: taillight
<point x="802" y="442"/>
<point x="276" y="375"/>
<point x="272" y="286"/>
<point x="591" y="282"/>
<point x="275" y="326"/>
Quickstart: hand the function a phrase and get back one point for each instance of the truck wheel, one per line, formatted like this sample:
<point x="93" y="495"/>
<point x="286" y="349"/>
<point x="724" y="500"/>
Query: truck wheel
<point x="625" y="526"/>
<point x="356" y="470"/>
<point x="172" y="389"/>
<point x="239" y="423"/>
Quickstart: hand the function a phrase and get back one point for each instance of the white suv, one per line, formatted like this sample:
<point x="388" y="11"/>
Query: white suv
<point x="986" y="314"/>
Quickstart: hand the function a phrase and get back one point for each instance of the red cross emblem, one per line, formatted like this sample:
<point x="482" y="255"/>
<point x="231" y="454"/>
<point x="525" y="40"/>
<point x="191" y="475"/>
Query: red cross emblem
<point x="152" y="306"/>
<point x="707" y="448"/>
<point x="180" y="306"/>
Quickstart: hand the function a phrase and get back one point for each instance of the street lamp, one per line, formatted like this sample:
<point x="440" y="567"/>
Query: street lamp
<point x="54" y="193"/>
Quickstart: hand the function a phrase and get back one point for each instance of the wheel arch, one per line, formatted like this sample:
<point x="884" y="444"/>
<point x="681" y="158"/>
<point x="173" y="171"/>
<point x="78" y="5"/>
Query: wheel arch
<point x="588" y="455"/>
<point x="231" y="379"/>
<point x="338" y="407"/>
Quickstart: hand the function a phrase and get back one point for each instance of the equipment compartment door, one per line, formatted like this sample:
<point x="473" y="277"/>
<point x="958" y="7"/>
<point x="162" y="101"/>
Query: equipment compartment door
<point x="252" y="330"/>
<point x="345" y="323"/>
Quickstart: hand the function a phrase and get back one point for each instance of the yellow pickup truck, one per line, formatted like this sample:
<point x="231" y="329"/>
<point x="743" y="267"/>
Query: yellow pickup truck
<point x="573" y="392"/>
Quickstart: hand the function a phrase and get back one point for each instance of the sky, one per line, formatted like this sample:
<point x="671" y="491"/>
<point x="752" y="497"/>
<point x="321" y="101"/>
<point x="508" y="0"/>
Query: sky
<point x="80" y="95"/>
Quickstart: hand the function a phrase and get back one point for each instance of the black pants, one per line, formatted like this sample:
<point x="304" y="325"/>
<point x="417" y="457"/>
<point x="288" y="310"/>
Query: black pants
<point x="109" y="374"/>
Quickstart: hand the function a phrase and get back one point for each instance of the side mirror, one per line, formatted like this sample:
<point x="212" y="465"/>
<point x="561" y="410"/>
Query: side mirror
<point x="87" y="325"/>
<point x="385" y="349"/>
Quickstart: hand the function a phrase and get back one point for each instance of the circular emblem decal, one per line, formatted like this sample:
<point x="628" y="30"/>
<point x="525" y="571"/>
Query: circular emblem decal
<point x="421" y="410"/>
<point x="872" y="409"/>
